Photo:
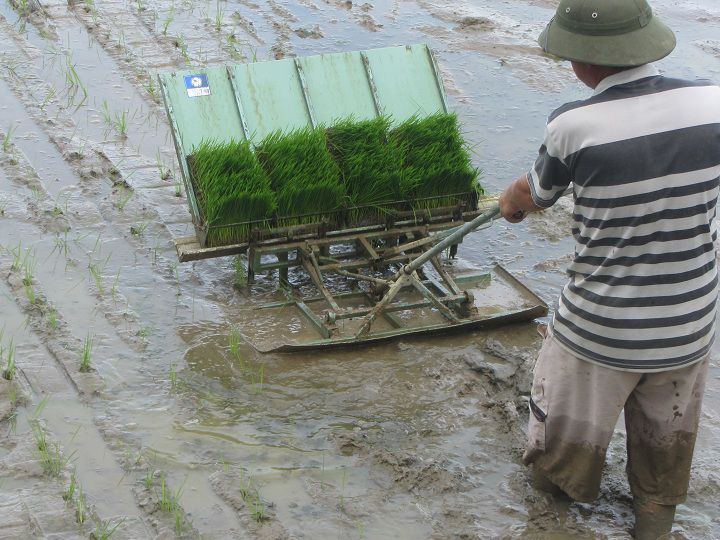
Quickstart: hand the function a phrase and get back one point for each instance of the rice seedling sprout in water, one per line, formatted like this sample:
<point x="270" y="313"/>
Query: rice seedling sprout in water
<point x="239" y="273"/>
<point x="69" y="494"/>
<point x="149" y="479"/>
<point x="168" y="500"/>
<point x="52" y="459"/>
<point x="10" y="367"/>
<point x="7" y="138"/>
<point x="167" y="22"/>
<point x="81" y="507"/>
<point x="52" y="319"/>
<point x="30" y="293"/>
<point x="218" y="17"/>
<point x="105" y="529"/>
<point x="173" y="377"/>
<point x="250" y="493"/>
<point x="234" y="341"/>
<point x="86" y="357"/>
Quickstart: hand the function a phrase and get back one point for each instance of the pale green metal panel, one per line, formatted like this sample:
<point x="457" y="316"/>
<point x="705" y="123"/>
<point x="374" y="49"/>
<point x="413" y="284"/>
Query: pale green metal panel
<point x="214" y="116"/>
<point x="271" y="97"/>
<point x="407" y="81"/>
<point x="337" y="87"/>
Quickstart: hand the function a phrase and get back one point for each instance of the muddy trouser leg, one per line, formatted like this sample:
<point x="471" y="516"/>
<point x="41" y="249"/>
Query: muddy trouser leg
<point x="661" y="418"/>
<point x="574" y="407"/>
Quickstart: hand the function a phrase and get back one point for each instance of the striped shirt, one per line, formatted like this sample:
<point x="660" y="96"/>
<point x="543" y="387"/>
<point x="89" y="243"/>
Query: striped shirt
<point x="643" y="157"/>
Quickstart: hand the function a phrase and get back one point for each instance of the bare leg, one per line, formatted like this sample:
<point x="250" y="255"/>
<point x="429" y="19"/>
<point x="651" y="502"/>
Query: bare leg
<point x="652" y="520"/>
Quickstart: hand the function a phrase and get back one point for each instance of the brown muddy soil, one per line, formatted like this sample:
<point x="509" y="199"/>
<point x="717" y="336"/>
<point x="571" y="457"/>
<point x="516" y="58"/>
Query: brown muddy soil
<point x="175" y="427"/>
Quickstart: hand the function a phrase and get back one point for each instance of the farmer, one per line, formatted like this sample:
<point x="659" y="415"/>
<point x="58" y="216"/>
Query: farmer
<point x="634" y="325"/>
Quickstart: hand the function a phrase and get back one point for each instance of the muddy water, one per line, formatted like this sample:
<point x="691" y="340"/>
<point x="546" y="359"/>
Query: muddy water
<point x="414" y="439"/>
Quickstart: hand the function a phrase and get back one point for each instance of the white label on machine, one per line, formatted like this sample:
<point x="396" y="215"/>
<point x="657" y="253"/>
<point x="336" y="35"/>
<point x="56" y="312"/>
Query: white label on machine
<point x="197" y="85"/>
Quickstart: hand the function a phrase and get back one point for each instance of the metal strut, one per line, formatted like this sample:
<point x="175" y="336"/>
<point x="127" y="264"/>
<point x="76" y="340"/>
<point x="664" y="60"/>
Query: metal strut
<point x="408" y="276"/>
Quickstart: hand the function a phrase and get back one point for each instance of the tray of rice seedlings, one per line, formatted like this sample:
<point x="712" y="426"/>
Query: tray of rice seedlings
<point x="304" y="177"/>
<point x="371" y="168"/>
<point x="233" y="192"/>
<point x="438" y="168"/>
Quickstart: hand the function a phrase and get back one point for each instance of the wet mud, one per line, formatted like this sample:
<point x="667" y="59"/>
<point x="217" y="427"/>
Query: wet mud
<point x="137" y="406"/>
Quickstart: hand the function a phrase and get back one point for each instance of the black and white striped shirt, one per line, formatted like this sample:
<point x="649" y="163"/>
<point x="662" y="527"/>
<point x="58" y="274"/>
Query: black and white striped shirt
<point x="643" y="155"/>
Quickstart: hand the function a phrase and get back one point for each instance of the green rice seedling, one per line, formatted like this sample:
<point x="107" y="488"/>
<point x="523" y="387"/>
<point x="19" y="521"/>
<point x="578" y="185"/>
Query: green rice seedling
<point x="218" y="17"/>
<point x="23" y="7"/>
<point x="120" y="123"/>
<point x="105" y="529"/>
<point x="173" y="377"/>
<point x="123" y="197"/>
<point x="30" y="293"/>
<point x="151" y="88"/>
<point x="166" y="23"/>
<point x="13" y="395"/>
<point x="234" y="341"/>
<point x="81" y="508"/>
<point x="165" y="172"/>
<point x="16" y="253"/>
<point x="239" y="273"/>
<point x="232" y="189"/>
<point x="52" y="319"/>
<point x="28" y="267"/>
<point x="250" y="493"/>
<point x="371" y="168"/>
<point x="180" y="524"/>
<point x="52" y="459"/>
<point x="69" y="493"/>
<point x="257" y="378"/>
<point x="60" y="244"/>
<point x="72" y="77"/>
<point x="86" y="356"/>
<point x="303" y="174"/>
<point x="10" y="367"/>
<point x="7" y="138"/>
<point x="48" y="96"/>
<point x="149" y="479"/>
<point x="139" y="229"/>
<point x="436" y="160"/>
<point x="168" y="500"/>
<point x="177" y="185"/>
<point x="3" y="206"/>
<point x="96" y="273"/>
<point x="256" y="506"/>
<point x="179" y="43"/>
<point x="116" y="282"/>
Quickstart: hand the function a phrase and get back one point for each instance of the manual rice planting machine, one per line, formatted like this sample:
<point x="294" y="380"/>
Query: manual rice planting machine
<point x="386" y="252"/>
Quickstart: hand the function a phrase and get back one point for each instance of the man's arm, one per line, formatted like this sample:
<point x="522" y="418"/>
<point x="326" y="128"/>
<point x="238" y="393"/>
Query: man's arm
<point x="516" y="201"/>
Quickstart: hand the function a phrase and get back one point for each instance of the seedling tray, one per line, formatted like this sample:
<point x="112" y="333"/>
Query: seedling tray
<point x="250" y="101"/>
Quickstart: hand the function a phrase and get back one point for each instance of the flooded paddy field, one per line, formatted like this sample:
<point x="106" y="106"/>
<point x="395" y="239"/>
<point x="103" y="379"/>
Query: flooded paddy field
<point x="137" y="409"/>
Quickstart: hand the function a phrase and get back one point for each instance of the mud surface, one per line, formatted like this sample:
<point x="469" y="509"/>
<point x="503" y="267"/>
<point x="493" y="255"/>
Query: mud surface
<point x="175" y="427"/>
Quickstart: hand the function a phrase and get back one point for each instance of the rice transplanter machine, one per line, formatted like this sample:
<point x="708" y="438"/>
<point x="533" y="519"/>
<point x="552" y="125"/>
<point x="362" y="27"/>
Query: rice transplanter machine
<point x="393" y="282"/>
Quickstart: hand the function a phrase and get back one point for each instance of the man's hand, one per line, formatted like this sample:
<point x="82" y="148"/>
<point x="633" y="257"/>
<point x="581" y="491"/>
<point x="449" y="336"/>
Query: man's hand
<point x="516" y="201"/>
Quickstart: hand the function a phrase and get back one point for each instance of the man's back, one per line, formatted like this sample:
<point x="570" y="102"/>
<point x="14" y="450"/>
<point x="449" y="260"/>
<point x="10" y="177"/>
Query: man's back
<point x="644" y="157"/>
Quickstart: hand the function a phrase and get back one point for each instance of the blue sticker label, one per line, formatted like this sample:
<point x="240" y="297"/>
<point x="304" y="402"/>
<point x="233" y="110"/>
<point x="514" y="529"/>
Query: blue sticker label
<point x="197" y="85"/>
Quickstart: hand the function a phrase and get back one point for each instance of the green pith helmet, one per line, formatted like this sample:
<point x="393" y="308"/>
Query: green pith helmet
<point x="615" y="33"/>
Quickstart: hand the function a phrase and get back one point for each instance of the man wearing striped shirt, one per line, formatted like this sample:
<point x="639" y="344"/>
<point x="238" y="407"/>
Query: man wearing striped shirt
<point x="634" y="325"/>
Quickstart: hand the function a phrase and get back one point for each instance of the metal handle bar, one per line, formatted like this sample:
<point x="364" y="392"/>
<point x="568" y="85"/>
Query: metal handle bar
<point x="453" y="238"/>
